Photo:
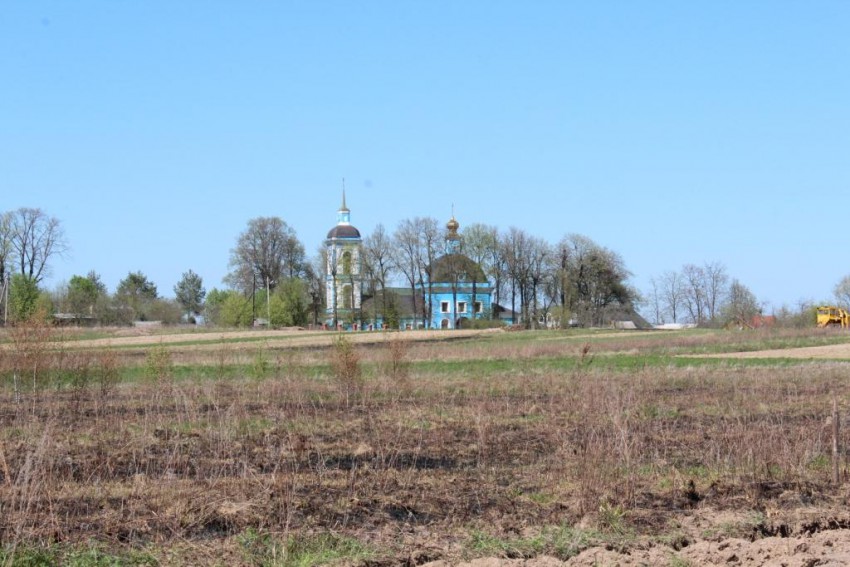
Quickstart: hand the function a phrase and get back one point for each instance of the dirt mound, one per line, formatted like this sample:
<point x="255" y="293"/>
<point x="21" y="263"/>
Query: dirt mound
<point x="824" y="548"/>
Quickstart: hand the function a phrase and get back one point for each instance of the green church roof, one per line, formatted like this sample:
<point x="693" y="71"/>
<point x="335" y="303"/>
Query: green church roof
<point x="455" y="267"/>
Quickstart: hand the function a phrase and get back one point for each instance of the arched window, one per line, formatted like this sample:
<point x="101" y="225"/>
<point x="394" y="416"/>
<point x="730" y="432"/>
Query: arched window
<point x="346" y="297"/>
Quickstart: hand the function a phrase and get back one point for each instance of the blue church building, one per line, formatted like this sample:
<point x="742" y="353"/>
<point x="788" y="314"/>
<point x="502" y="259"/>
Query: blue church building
<point x="454" y="291"/>
<point x="457" y="287"/>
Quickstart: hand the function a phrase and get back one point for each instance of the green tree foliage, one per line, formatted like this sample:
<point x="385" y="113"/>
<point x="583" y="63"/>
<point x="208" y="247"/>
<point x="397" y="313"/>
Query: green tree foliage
<point x="593" y="280"/>
<point x="232" y="309"/>
<point x="83" y="293"/>
<point x="135" y="294"/>
<point x="190" y="293"/>
<point x="289" y="304"/>
<point x="212" y="306"/>
<point x="167" y="311"/>
<point x="392" y="312"/>
<point x="23" y="297"/>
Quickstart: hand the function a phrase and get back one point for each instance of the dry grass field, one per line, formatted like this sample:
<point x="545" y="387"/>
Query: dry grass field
<point x="477" y="448"/>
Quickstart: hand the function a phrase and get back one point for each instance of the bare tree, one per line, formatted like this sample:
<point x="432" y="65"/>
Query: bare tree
<point x="5" y="245"/>
<point x="656" y="300"/>
<point x="32" y="238"/>
<point x="378" y="263"/>
<point x="267" y="251"/>
<point x="431" y="239"/>
<point x="407" y="255"/>
<point x="694" y="293"/>
<point x="417" y="244"/>
<point x="672" y="294"/>
<point x="481" y="244"/>
<point x="716" y="288"/>
<point x="514" y="246"/>
<point x="741" y="305"/>
<point x="704" y="289"/>
<point x="560" y="288"/>
<point x="539" y="266"/>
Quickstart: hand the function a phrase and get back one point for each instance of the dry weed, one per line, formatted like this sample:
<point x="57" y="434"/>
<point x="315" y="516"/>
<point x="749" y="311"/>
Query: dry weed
<point x="345" y="363"/>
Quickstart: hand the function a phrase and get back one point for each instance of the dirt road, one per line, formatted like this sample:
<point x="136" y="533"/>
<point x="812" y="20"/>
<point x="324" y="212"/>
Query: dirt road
<point x="827" y="352"/>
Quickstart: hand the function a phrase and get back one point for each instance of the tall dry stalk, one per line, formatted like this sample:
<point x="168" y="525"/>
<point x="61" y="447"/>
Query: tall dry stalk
<point x="397" y="351"/>
<point x="223" y="359"/>
<point x="107" y="373"/>
<point x="159" y="365"/>
<point x="28" y="488"/>
<point x="30" y="362"/>
<point x="345" y="363"/>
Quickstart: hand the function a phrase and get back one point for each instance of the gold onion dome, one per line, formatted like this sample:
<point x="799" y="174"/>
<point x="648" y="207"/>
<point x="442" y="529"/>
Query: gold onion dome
<point x="452" y="227"/>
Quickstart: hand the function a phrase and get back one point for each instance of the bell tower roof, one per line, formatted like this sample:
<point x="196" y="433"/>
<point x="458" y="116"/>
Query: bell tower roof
<point x="343" y="228"/>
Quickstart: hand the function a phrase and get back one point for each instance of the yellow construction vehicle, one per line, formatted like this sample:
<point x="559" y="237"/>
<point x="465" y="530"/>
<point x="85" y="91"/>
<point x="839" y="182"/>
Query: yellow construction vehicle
<point x="829" y="316"/>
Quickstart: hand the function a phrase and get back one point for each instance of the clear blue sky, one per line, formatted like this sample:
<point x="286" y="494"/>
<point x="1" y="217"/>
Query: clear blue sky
<point x="672" y="132"/>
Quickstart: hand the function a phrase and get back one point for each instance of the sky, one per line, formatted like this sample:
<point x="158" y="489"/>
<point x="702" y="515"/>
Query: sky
<point x="670" y="132"/>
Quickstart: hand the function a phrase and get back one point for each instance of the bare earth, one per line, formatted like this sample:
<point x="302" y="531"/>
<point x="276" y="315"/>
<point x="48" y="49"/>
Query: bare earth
<point x="828" y="352"/>
<point x="831" y="548"/>
<point x="273" y="338"/>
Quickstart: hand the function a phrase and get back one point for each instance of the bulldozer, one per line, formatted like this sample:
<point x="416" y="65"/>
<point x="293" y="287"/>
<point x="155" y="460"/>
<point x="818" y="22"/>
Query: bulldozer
<point x="829" y="316"/>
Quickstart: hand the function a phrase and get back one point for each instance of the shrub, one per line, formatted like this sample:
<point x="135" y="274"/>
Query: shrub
<point x="346" y="370"/>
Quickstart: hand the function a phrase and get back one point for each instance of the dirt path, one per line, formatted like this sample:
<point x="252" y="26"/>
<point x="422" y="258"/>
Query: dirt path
<point x="277" y="338"/>
<point x="819" y="352"/>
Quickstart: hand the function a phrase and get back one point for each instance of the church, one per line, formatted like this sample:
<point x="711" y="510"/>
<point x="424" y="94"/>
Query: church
<point x="454" y="291"/>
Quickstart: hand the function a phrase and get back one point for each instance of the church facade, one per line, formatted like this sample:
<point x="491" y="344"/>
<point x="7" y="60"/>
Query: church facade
<point x="454" y="292"/>
<point x="343" y="271"/>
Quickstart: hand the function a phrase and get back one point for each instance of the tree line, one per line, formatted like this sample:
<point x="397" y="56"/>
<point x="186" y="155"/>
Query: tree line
<point x="703" y="295"/>
<point x="271" y="277"/>
<point x="574" y="281"/>
<point x="545" y="283"/>
<point x="706" y="295"/>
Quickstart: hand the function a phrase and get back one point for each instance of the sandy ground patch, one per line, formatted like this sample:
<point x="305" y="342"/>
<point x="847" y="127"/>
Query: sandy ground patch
<point x="824" y="548"/>
<point x="829" y="352"/>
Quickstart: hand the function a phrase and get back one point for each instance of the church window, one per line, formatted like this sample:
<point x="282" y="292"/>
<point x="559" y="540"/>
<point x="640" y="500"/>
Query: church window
<point x="461" y="306"/>
<point x="346" y="262"/>
<point x="479" y="308"/>
<point x="444" y="307"/>
<point x="346" y="297"/>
